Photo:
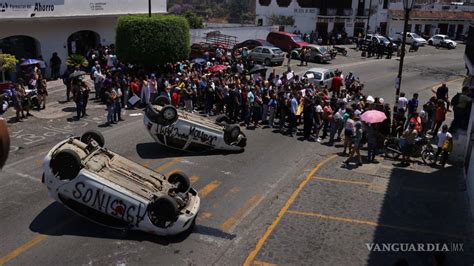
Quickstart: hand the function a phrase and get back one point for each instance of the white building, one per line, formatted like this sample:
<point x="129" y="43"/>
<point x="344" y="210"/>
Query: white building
<point x="30" y="28"/>
<point x="386" y="16"/>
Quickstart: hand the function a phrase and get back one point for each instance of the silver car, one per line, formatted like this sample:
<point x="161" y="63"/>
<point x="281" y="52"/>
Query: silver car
<point x="267" y="55"/>
<point x="321" y="76"/>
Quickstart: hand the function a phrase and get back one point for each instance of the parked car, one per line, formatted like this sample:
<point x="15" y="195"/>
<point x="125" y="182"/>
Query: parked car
<point x="186" y="131"/>
<point x="250" y="44"/>
<point x="322" y="76"/>
<point x="413" y="37"/>
<point x="111" y="190"/>
<point x="442" y="40"/>
<point x="267" y="55"/>
<point x="285" y="41"/>
<point x="318" y="53"/>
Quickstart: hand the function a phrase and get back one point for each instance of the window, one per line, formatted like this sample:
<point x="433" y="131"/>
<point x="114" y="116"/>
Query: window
<point x="296" y="39"/>
<point x="265" y="51"/>
<point x="277" y="51"/>
<point x="257" y="50"/>
<point x="327" y="75"/>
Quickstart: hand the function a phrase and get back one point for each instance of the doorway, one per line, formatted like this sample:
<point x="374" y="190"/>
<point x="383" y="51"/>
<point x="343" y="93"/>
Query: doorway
<point x="21" y="46"/>
<point x="443" y="28"/>
<point x="82" y="41"/>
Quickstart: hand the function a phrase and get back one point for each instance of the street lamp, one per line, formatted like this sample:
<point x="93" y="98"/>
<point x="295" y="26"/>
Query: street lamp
<point x="407" y="6"/>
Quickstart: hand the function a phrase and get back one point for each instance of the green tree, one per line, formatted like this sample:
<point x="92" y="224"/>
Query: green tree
<point x="151" y="41"/>
<point x="7" y="62"/>
<point x="194" y="21"/>
<point x="77" y="61"/>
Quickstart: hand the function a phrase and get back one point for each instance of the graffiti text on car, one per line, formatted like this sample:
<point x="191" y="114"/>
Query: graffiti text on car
<point x="202" y="136"/>
<point x="109" y="204"/>
<point x="194" y="133"/>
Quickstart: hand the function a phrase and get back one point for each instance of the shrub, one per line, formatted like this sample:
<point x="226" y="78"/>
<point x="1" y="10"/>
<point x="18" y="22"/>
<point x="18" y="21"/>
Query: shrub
<point x="194" y="21"/>
<point x="151" y="41"/>
<point x="77" y="61"/>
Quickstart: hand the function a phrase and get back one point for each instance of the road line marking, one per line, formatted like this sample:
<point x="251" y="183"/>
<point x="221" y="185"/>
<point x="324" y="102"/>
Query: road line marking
<point x="208" y="188"/>
<point x="13" y="254"/>
<point x="342" y="181"/>
<point x="168" y="164"/>
<point x="283" y="210"/>
<point x="146" y="164"/>
<point x="235" y="190"/>
<point x="204" y="216"/>
<point x="173" y="171"/>
<point x="263" y="263"/>
<point x="241" y="212"/>
<point x="194" y="179"/>
<point x="372" y="223"/>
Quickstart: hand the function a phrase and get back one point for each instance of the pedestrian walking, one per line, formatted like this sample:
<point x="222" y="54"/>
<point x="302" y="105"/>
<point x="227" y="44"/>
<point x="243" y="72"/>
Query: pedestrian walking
<point x="42" y="92"/>
<point x="78" y="97"/>
<point x="357" y="144"/>
<point x="109" y="96"/>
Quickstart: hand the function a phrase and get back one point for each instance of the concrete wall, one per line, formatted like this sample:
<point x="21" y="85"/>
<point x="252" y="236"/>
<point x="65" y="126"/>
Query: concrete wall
<point x="242" y="33"/>
<point x="52" y="35"/>
<point x="469" y="149"/>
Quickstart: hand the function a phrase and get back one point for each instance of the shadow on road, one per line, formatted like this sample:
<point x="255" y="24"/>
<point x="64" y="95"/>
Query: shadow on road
<point x="57" y="220"/>
<point x="423" y="208"/>
<point x="153" y="150"/>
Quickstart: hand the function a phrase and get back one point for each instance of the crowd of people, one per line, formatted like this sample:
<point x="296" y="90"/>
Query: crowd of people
<point x="285" y="101"/>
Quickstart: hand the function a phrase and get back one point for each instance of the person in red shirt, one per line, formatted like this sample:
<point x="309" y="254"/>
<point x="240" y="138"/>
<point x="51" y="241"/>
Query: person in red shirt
<point x="135" y="86"/>
<point x="337" y="83"/>
<point x="176" y="97"/>
<point x="440" y="116"/>
<point x="416" y="119"/>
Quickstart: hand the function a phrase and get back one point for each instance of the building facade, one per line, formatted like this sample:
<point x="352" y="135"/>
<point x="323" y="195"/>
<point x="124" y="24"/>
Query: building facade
<point x="386" y="16"/>
<point x="34" y="28"/>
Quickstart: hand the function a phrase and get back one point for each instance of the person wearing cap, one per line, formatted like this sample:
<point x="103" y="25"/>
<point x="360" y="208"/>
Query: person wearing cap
<point x="408" y="137"/>
<point x="357" y="144"/>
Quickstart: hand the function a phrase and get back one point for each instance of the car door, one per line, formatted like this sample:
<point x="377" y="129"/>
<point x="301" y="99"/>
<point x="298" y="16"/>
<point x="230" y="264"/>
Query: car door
<point x="327" y="79"/>
<point x="257" y="54"/>
<point x="266" y="54"/>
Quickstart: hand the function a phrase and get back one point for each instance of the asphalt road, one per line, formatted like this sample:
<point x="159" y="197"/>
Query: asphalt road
<point x="241" y="193"/>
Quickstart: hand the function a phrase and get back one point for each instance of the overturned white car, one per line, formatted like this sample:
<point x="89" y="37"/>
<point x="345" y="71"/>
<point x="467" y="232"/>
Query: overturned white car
<point x="191" y="132"/>
<point x="113" y="191"/>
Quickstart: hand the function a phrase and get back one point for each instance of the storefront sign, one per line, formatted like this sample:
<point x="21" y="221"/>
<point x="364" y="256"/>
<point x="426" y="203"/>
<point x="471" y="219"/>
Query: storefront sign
<point x="65" y="8"/>
<point x="305" y="10"/>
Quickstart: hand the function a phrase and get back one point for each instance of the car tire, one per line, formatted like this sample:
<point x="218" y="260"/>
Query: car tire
<point x="182" y="179"/>
<point x="66" y="164"/>
<point x="163" y="209"/>
<point x="267" y="62"/>
<point x="93" y="135"/>
<point x="161" y="101"/>
<point x="231" y="133"/>
<point x="169" y="114"/>
<point x="430" y="42"/>
<point x="450" y="46"/>
<point x="222" y="119"/>
<point x="344" y="53"/>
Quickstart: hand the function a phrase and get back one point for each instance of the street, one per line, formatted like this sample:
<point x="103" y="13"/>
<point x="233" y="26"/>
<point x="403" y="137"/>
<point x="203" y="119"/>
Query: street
<point x="282" y="201"/>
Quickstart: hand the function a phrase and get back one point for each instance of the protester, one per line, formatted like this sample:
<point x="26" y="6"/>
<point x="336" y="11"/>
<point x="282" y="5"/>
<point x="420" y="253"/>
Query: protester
<point x="445" y="145"/>
<point x="357" y="144"/>
<point x="42" y="92"/>
<point x="408" y="137"/>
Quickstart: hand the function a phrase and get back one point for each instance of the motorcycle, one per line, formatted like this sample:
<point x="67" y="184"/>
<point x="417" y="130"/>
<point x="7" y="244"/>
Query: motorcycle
<point x="340" y="50"/>
<point x="422" y="148"/>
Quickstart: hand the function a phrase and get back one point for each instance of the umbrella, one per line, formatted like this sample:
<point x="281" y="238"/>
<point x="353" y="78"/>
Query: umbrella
<point x="373" y="117"/>
<point x="198" y="61"/>
<point x="217" y="68"/>
<point x="258" y="69"/>
<point x="78" y="73"/>
<point x="28" y="62"/>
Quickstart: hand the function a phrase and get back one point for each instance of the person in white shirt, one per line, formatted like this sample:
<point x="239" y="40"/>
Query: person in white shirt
<point x="402" y="103"/>
<point x="444" y="144"/>
<point x="98" y="81"/>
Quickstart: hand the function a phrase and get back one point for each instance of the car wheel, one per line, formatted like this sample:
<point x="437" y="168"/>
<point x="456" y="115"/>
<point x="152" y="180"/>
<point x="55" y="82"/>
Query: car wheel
<point x="66" y="164"/>
<point x="169" y="114"/>
<point x="163" y="209"/>
<point x="344" y="53"/>
<point x="450" y="46"/>
<point x="268" y="62"/>
<point x="231" y="133"/>
<point x="430" y="42"/>
<point x="93" y="135"/>
<point x="181" y="179"/>
<point x="222" y="119"/>
<point x="161" y="101"/>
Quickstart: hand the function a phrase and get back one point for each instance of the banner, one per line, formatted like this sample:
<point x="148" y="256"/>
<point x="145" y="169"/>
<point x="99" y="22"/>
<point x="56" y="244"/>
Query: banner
<point x="65" y="8"/>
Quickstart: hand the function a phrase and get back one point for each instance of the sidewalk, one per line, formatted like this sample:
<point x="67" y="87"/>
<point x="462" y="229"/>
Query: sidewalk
<point x="342" y="210"/>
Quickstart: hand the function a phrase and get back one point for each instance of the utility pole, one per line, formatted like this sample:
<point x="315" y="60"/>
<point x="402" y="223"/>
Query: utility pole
<point x="368" y="19"/>
<point x="149" y="8"/>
